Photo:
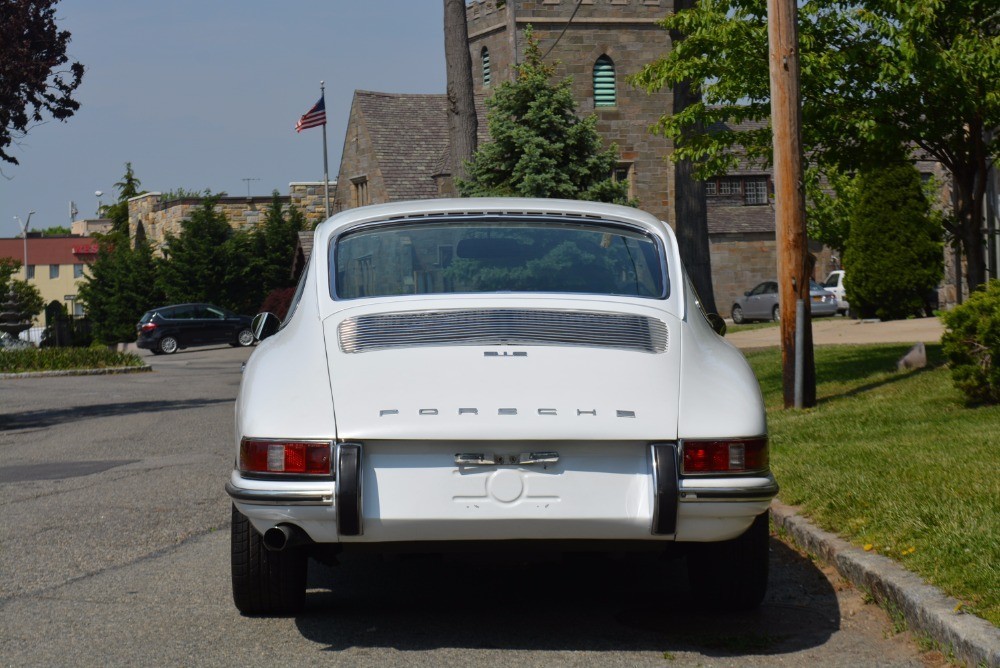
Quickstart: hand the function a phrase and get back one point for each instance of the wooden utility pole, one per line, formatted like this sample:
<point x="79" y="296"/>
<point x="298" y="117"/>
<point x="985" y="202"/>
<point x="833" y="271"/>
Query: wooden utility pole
<point x="794" y="265"/>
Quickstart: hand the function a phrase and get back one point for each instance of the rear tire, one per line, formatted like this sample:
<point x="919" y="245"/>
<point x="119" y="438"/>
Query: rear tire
<point x="168" y="345"/>
<point x="737" y="313"/>
<point x="732" y="575"/>
<point x="776" y="313"/>
<point x="265" y="582"/>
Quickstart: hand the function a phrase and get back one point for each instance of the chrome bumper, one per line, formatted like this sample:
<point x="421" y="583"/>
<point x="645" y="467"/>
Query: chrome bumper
<point x="728" y="490"/>
<point x="268" y="497"/>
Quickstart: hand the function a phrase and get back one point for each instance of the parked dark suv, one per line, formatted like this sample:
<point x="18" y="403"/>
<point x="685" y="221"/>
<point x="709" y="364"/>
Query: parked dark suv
<point x="166" y="329"/>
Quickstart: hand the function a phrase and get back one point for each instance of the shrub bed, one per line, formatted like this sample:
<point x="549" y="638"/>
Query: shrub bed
<point x="65" y="359"/>
<point x="972" y="344"/>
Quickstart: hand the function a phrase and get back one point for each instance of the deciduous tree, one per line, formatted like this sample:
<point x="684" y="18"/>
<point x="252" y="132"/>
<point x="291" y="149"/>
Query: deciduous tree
<point x="463" y="125"/>
<point x="877" y="76"/>
<point x="36" y="76"/>
<point x="27" y="300"/>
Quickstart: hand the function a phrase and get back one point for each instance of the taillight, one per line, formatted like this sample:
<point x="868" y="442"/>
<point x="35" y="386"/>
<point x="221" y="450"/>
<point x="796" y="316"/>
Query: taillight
<point x="725" y="456"/>
<point x="149" y="327"/>
<point x="296" y="457"/>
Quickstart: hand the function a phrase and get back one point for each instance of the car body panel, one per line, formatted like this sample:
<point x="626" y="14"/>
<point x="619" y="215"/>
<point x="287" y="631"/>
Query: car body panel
<point x="415" y="408"/>
<point x="513" y="391"/>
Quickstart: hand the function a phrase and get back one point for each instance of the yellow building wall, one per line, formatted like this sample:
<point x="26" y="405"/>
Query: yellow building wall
<point x="54" y="289"/>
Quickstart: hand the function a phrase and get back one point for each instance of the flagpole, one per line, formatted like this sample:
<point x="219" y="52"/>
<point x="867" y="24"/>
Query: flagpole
<point x="326" y="169"/>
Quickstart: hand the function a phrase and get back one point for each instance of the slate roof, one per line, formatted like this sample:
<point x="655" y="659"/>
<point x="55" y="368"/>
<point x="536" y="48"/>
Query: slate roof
<point x="740" y="219"/>
<point x="744" y="166"/>
<point x="409" y="134"/>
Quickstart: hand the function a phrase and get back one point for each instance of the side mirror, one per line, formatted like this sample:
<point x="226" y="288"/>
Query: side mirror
<point x="264" y="325"/>
<point x="717" y="323"/>
<point x="746" y="294"/>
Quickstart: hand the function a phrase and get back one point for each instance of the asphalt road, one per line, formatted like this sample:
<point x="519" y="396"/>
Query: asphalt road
<point x="114" y="551"/>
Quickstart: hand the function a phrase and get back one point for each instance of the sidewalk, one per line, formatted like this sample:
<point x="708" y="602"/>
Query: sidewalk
<point x="827" y="331"/>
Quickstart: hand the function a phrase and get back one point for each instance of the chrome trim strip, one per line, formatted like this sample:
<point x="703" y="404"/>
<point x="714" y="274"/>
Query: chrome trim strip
<point x="502" y="326"/>
<point x="731" y="494"/>
<point x="271" y="497"/>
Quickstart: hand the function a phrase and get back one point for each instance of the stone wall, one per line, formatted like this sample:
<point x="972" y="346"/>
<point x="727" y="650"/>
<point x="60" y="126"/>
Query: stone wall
<point x="739" y="262"/>
<point x="358" y="164"/>
<point x="308" y="197"/>
<point x="156" y="218"/>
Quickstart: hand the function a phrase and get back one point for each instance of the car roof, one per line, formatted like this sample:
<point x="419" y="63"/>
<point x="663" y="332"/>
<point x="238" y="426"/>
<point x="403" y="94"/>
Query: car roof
<point x="486" y="206"/>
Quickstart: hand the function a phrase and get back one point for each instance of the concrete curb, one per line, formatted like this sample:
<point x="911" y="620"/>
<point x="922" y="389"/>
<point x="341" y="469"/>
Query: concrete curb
<point x="78" y="372"/>
<point x="926" y="609"/>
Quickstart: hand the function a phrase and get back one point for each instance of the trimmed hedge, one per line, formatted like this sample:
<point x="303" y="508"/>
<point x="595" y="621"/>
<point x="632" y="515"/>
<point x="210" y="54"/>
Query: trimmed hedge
<point x="65" y="359"/>
<point x="894" y="257"/>
<point x="972" y="344"/>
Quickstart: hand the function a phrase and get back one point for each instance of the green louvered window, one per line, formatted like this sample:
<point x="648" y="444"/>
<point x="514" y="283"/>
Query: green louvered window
<point x="486" y="67"/>
<point x="604" y="83"/>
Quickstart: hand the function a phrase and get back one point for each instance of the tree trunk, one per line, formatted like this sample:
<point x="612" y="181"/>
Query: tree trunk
<point x="969" y="212"/>
<point x="690" y="214"/>
<point x="463" y="125"/>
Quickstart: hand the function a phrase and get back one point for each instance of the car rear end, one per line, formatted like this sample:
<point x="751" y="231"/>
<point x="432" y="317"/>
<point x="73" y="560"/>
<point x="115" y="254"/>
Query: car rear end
<point x="607" y="412"/>
<point x="148" y="330"/>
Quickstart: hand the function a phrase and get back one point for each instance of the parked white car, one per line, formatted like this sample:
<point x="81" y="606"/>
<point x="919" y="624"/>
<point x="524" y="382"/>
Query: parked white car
<point x="835" y="283"/>
<point x="480" y="370"/>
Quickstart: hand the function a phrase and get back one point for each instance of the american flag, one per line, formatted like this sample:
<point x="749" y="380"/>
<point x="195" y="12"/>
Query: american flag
<point x="313" y="118"/>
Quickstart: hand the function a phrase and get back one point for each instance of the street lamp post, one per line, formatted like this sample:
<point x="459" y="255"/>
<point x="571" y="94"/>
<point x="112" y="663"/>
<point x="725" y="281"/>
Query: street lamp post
<point x="24" y="234"/>
<point x="98" y="194"/>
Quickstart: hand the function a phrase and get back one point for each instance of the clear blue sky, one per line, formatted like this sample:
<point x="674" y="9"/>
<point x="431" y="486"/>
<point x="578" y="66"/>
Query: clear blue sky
<point x="201" y="94"/>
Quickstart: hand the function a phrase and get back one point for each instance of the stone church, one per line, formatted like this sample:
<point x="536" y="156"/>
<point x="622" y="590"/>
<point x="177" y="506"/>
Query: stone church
<point x="396" y="145"/>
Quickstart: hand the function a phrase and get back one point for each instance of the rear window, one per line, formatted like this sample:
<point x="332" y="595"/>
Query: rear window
<point x="497" y="256"/>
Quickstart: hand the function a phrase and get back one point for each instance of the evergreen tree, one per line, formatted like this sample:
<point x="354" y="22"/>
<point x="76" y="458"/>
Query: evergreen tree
<point x="539" y="147"/>
<point x="278" y="239"/>
<point x="260" y="260"/>
<point x="120" y="285"/>
<point x="194" y="264"/>
<point x="894" y="249"/>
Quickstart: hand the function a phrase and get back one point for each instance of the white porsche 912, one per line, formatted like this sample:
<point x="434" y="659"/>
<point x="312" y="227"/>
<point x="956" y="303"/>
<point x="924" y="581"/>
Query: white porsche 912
<point x="478" y="370"/>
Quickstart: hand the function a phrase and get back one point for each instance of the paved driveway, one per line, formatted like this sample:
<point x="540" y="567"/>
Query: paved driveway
<point x="845" y="330"/>
<point x="114" y="551"/>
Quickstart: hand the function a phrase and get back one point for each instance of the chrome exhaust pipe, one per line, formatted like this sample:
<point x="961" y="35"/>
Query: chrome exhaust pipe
<point x="283" y="536"/>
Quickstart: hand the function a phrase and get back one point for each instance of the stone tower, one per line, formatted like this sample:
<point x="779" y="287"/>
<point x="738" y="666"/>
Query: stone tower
<point x="598" y="43"/>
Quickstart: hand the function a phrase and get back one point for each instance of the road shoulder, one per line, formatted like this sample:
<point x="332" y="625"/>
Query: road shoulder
<point x="926" y="609"/>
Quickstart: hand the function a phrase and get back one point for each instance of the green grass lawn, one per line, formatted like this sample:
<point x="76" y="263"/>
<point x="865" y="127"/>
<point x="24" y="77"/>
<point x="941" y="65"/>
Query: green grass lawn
<point x="896" y="463"/>
<point x="64" y="359"/>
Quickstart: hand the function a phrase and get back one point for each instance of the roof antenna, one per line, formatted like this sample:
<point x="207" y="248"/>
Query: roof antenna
<point x="248" y="180"/>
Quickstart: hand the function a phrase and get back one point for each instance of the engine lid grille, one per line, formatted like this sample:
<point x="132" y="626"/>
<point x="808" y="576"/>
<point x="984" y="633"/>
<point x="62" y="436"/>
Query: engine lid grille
<point x="528" y="327"/>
